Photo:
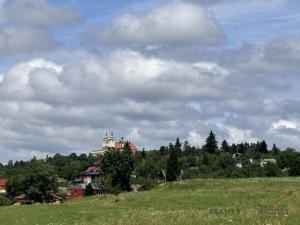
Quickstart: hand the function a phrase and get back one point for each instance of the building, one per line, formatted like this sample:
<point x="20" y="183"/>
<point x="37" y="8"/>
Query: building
<point x="111" y="143"/>
<point x="78" y="190"/>
<point x="90" y="175"/>
<point x="3" y="183"/>
<point x="75" y="192"/>
<point x="238" y="162"/>
<point x="265" y="161"/>
<point x="262" y="162"/>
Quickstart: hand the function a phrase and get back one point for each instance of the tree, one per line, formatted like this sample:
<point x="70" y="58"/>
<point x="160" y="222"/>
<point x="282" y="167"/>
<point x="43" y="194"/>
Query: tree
<point x="38" y="181"/>
<point x="117" y="167"/>
<point x="143" y="154"/>
<point x="225" y="146"/>
<point x="241" y="148"/>
<point x="275" y="150"/>
<point x="263" y="148"/>
<point x="272" y="170"/>
<point x="186" y="146"/>
<point x="89" y="191"/>
<point x="211" y="145"/>
<point x="173" y="166"/>
<point x="178" y="147"/>
<point x="290" y="159"/>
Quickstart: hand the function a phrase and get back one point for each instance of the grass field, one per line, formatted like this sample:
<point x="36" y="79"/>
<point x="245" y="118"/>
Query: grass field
<point x="210" y="201"/>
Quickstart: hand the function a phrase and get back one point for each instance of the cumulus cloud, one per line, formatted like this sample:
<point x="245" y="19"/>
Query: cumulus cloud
<point x="11" y="43"/>
<point x="43" y="99"/>
<point x="67" y="107"/>
<point x="26" y="26"/>
<point x="41" y="13"/>
<point x="276" y="57"/>
<point x="177" y="23"/>
<point x="170" y="86"/>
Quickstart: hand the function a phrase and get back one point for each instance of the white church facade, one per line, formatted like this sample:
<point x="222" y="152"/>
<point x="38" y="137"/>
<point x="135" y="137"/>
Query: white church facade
<point x="111" y="143"/>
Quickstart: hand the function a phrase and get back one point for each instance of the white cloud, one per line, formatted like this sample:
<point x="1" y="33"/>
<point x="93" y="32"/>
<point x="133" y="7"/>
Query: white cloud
<point x="40" y="13"/>
<point x="237" y="135"/>
<point x="177" y="23"/>
<point x="51" y="107"/>
<point x="195" y="139"/>
<point x="16" y="83"/>
<point x="11" y="43"/>
<point x="276" y="57"/>
<point x="286" y="124"/>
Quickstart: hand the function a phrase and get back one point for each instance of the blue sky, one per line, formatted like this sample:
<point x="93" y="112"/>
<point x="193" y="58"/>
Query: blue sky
<point x="150" y="71"/>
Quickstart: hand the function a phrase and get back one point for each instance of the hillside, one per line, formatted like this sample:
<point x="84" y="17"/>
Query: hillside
<point x="211" y="201"/>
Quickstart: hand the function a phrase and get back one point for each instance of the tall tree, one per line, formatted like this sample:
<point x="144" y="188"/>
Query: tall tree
<point x="38" y="181"/>
<point x="263" y="147"/>
<point x="173" y="166"/>
<point x="186" y="145"/>
<point x="275" y="149"/>
<point x="211" y="145"/>
<point x="117" y="167"/>
<point x="225" y="146"/>
<point x="178" y="147"/>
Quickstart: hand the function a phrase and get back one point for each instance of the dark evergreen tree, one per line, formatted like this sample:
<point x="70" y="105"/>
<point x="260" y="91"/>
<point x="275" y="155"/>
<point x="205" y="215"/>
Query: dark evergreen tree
<point x="178" y="147"/>
<point x="225" y="146"/>
<point x="233" y="148"/>
<point x="211" y="145"/>
<point x="173" y="166"/>
<point x="241" y="149"/>
<point x="186" y="146"/>
<point x="89" y="191"/>
<point x="263" y="148"/>
<point x="275" y="150"/>
<point x="143" y="154"/>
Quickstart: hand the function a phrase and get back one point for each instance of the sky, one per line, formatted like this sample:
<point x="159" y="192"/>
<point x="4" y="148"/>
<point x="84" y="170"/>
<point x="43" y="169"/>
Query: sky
<point x="149" y="71"/>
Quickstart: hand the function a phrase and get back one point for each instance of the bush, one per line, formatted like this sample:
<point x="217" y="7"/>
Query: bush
<point x="146" y="183"/>
<point x="4" y="201"/>
<point x="89" y="190"/>
<point x="272" y="170"/>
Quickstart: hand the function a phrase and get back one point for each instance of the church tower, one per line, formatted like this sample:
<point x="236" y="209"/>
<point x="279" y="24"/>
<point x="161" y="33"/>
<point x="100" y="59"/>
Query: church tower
<point x="109" y="142"/>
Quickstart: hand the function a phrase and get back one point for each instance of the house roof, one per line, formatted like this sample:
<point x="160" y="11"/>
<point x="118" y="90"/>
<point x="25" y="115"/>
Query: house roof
<point x="92" y="169"/>
<point x="3" y="182"/>
<point x="132" y="147"/>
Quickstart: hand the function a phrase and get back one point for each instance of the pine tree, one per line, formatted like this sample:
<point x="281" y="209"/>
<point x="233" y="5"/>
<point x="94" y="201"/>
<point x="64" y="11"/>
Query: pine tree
<point x="178" y="147"/>
<point x="263" y="148"/>
<point x="186" y="145"/>
<point x="225" y="146"/>
<point x="211" y="145"/>
<point x="173" y="165"/>
<point x="275" y="150"/>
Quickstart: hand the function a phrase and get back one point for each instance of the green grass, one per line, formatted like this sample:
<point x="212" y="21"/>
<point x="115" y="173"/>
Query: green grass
<point x="207" y="201"/>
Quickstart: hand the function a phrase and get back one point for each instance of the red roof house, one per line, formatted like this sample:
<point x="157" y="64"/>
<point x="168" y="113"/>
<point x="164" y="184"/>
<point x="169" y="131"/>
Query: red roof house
<point x="3" y="183"/>
<point x="133" y="148"/>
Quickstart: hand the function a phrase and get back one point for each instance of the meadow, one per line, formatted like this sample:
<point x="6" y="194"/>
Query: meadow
<point x="269" y="201"/>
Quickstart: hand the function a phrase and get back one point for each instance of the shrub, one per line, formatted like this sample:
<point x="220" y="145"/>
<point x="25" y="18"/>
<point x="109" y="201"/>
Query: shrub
<point x="4" y="201"/>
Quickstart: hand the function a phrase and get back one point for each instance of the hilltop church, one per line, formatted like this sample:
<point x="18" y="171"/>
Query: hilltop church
<point x="111" y="143"/>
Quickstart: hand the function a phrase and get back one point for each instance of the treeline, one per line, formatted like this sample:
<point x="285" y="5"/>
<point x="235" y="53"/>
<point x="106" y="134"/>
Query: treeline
<point x="182" y="161"/>
<point x="175" y="161"/>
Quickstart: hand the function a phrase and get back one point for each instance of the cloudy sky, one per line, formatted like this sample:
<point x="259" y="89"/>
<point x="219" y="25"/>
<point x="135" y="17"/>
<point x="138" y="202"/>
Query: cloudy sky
<point x="150" y="71"/>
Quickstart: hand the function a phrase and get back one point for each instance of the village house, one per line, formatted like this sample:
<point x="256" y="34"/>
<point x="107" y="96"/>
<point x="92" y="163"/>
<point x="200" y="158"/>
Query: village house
<point x="111" y="143"/>
<point x="238" y="160"/>
<point x="3" y="183"/>
<point x="89" y="176"/>
<point x="262" y="162"/>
